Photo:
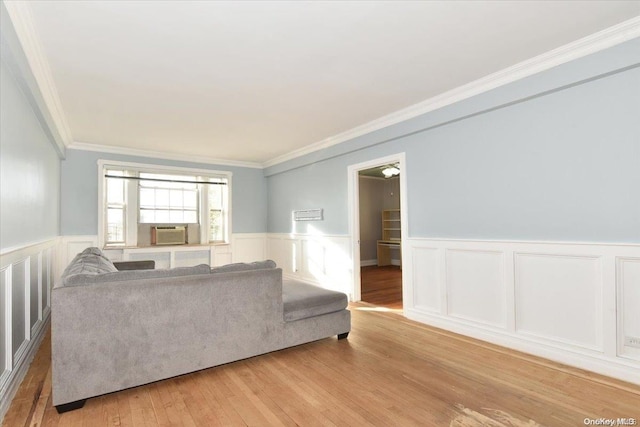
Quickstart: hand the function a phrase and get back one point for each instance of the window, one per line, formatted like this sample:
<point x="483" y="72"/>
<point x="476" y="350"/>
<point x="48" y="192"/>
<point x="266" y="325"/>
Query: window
<point x="167" y="202"/>
<point x="138" y="197"/>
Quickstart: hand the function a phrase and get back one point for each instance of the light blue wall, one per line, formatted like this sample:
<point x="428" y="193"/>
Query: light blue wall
<point x="79" y="193"/>
<point x="29" y="170"/>
<point x="555" y="156"/>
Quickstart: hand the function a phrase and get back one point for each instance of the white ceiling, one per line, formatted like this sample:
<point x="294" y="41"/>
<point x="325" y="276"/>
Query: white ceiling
<point x="251" y="81"/>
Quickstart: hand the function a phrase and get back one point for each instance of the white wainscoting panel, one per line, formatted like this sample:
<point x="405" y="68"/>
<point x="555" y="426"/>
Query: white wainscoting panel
<point x="324" y="260"/>
<point x="426" y="265"/>
<point x="575" y="303"/>
<point x="249" y="247"/>
<point x="221" y="255"/>
<point x="476" y="286"/>
<point x="73" y="245"/>
<point x="5" y="336"/>
<point x="629" y="307"/>
<point x="20" y="331"/>
<point x="26" y="277"/>
<point x="568" y="290"/>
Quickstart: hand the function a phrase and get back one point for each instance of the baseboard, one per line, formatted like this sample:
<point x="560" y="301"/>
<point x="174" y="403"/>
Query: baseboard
<point x="17" y="375"/>
<point x="601" y="364"/>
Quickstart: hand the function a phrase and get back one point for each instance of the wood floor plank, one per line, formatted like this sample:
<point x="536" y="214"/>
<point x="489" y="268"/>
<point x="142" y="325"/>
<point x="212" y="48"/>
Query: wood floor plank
<point x="210" y="381"/>
<point x="382" y="286"/>
<point x="168" y="403"/>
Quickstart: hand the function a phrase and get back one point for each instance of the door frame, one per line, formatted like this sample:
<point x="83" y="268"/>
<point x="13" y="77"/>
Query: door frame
<point x="354" y="216"/>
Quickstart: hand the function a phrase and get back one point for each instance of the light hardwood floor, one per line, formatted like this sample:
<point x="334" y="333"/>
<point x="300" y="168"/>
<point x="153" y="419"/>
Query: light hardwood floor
<point x="389" y="372"/>
<point x="382" y="286"/>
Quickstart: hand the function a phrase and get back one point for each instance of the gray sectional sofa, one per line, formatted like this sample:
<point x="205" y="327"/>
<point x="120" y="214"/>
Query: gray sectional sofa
<point x="113" y="330"/>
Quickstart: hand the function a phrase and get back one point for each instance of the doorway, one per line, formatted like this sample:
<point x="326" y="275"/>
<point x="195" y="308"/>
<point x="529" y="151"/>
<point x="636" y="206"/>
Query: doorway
<point x="377" y="223"/>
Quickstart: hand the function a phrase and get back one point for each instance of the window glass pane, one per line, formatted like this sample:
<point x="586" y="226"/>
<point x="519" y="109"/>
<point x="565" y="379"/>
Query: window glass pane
<point x="191" y="217"/>
<point x="147" y="215"/>
<point x="215" y="196"/>
<point x="175" y="216"/>
<point x="147" y="197"/>
<point x="115" y="225"/>
<point x="175" y="198"/>
<point x="115" y="190"/>
<point x="162" y="216"/>
<point x="190" y="200"/>
<point x="162" y="198"/>
<point x="216" y="231"/>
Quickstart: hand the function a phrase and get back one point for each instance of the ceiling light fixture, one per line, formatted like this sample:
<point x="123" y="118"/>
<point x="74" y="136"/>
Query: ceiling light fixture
<point x="390" y="171"/>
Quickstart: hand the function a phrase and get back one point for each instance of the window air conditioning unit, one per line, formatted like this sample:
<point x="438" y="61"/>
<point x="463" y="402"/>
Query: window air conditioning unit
<point x="169" y="235"/>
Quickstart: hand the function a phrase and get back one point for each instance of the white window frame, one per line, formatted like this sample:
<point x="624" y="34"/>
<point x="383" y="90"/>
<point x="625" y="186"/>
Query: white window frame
<point x="132" y="198"/>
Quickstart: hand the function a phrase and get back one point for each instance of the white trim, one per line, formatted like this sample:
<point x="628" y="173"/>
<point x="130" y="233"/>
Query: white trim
<point x="601" y="40"/>
<point x="428" y="278"/>
<point x="616" y="368"/>
<point x="369" y="262"/>
<point x="20" y="14"/>
<point x="153" y="168"/>
<point x="17" y="376"/>
<point x="7" y="252"/>
<point x="194" y="158"/>
<point x="5" y="371"/>
<point x="620" y="245"/>
<point x="16" y="262"/>
<point x="354" y="214"/>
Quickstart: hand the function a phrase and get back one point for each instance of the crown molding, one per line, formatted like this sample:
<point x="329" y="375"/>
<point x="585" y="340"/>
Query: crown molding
<point x="76" y="145"/>
<point x="20" y="14"/>
<point x="593" y="43"/>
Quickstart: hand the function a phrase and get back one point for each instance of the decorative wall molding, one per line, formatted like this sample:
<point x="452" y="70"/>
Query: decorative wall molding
<point x="27" y="275"/>
<point x="323" y="260"/>
<point x="628" y="298"/>
<point x="193" y="158"/>
<point x="593" y="43"/>
<point x="562" y="301"/>
<point x="27" y="35"/>
<point x="72" y="245"/>
<point x="249" y="247"/>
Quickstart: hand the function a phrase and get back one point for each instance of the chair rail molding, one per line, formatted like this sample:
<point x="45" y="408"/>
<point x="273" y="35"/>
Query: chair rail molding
<point x="574" y="303"/>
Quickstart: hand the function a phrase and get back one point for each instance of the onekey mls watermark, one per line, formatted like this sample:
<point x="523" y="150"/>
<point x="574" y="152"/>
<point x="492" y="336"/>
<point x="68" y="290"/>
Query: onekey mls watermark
<point x="610" y="421"/>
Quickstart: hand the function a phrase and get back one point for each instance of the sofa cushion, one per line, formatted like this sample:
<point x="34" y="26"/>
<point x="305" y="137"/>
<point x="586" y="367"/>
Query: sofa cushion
<point x="93" y="251"/>
<point x="302" y="300"/>
<point x="120" y="276"/>
<point x="89" y="264"/>
<point x="243" y="266"/>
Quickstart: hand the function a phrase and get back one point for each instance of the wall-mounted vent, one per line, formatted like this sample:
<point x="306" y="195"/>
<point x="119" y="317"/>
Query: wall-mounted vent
<point x="169" y="235"/>
<point x="308" y="215"/>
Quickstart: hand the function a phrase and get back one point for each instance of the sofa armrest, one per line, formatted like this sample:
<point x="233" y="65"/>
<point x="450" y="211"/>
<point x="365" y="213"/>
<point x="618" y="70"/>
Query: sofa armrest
<point x="135" y="265"/>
